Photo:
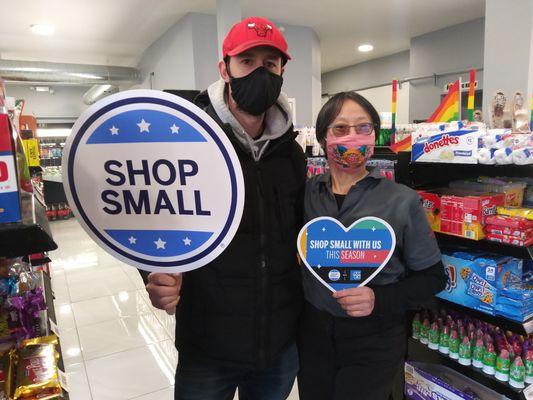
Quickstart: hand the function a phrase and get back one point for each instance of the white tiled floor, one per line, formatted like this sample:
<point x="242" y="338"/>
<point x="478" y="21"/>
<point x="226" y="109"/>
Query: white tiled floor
<point x="115" y="345"/>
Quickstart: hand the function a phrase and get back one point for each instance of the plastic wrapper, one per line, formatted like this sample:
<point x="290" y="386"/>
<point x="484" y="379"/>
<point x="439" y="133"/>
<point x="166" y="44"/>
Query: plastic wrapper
<point x="37" y="374"/>
<point x="516" y="212"/>
<point x="502" y="230"/>
<point x="24" y="314"/>
<point x="513" y="191"/>
<point x="8" y="286"/>
<point x="28" y="280"/>
<point x="509" y="222"/>
<point x="513" y="240"/>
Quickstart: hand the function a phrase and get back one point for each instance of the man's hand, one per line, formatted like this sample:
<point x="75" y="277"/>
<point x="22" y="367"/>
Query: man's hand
<point x="164" y="290"/>
<point x="357" y="302"/>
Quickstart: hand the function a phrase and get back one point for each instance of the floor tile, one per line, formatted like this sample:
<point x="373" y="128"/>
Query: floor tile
<point x="70" y="347"/>
<point x="64" y="316"/>
<point x="98" y="283"/>
<point x="133" y="373"/>
<point x="165" y="394"/>
<point x="118" y="335"/>
<point x="122" y="304"/>
<point x="78" y="384"/>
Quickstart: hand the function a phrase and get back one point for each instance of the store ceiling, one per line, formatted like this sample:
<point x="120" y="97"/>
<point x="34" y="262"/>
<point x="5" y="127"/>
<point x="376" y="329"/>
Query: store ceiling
<point x="117" y="32"/>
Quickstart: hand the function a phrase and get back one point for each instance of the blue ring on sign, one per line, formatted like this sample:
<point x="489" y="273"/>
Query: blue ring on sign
<point x="211" y="133"/>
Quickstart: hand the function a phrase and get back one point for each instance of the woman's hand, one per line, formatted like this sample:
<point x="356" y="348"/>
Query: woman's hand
<point x="357" y="302"/>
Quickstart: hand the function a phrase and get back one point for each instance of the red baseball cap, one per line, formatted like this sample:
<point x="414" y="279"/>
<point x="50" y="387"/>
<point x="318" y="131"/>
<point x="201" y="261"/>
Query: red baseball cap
<point x="253" y="32"/>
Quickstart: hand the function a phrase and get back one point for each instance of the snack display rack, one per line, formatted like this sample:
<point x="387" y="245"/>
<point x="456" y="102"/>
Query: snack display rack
<point x="418" y="175"/>
<point x="30" y="338"/>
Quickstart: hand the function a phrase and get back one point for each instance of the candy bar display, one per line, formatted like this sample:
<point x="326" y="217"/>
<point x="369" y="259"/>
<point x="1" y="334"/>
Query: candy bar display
<point x="504" y="355"/>
<point x="482" y="208"/>
<point x="459" y="213"/>
<point x="29" y="356"/>
<point x="517" y="231"/>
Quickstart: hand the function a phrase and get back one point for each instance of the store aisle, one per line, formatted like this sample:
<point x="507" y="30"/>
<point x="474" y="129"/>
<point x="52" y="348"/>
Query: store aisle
<point x="115" y="344"/>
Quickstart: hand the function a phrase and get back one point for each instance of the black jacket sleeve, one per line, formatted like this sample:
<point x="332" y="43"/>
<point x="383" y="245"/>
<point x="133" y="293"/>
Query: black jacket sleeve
<point x="395" y="299"/>
<point x="144" y="275"/>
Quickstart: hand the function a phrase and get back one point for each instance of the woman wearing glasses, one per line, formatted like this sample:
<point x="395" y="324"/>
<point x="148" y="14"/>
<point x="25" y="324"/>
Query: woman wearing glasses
<point x="352" y="342"/>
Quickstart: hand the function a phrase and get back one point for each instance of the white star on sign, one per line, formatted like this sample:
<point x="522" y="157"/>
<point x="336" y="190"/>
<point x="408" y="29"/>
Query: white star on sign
<point x="187" y="241"/>
<point x="132" y="240"/>
<point x="318" y="266"/>
<point x="174" y="128"/>
<point x="373" y="229"/>
<point x="160" y="244"/>
<point x="323" y="229"/>
<point x="114" y="130"/>
<point x="143" y="126"/>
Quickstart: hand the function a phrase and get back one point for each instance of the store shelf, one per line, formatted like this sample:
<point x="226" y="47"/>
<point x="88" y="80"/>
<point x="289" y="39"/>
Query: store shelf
<point x="30" y="236"/>
<point x="419" y="352"/>
<point x="384" y="153"/>
<point x="52" y="322"/>
<point x="438" y="173"/>
<point x="485" y="245"/>
<point x="17" y="240"/>
<point x="522" y="328"/>
<point x="53" y="178"/>
<point x="37" y="262"/>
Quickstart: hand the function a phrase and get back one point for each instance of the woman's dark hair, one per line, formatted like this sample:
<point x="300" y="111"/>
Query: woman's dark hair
<point x="332" y="108"/>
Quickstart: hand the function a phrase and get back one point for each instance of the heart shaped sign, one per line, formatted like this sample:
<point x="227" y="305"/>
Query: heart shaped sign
<point x="342" y="258"/>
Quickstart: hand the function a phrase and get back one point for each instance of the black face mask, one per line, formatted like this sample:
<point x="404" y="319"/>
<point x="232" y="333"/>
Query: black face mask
<point x="256" y="92"/>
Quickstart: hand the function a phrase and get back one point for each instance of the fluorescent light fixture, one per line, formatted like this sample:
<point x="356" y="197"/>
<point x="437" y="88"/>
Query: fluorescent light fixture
<point x="53" y="132"/>
<point x="43" y="29"/>
<point x="42" y="88"/>
<point x="365" y="48"/>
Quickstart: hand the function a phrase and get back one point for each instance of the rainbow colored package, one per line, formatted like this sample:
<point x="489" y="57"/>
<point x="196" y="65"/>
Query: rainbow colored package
<point x="472" y="281"/>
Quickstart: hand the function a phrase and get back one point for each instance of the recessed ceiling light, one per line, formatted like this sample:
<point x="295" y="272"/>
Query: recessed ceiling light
<point x="43" y="29"/>
<point x="364" y="48"/>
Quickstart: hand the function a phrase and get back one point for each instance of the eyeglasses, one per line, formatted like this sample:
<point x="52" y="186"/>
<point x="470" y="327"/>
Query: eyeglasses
<point x="344" y="129"/>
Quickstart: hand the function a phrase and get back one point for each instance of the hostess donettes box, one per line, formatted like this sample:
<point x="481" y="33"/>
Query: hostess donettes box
<point x="451" y="142"/>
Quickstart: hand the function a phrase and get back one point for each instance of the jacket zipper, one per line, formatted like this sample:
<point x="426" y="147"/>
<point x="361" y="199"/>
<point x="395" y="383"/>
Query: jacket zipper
<point x="263" y="274"/>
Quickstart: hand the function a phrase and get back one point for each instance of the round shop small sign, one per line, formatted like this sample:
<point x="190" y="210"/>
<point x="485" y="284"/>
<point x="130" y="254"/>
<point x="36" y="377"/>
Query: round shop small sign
<point x="154" y="181"/>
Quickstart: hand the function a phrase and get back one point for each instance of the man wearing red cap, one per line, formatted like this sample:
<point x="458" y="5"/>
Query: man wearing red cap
<point x="237" y="317"/>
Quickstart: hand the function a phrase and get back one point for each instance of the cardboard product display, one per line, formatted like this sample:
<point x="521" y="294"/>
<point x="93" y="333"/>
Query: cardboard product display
<point x="459" y="213"/>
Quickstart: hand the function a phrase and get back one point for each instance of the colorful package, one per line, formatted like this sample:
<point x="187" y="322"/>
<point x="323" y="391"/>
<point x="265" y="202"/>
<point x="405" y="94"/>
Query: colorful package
<point x="431" y="381"/>
<point x="470" y="283"/>
<point x="509" y="270"/>
<point x="9" y="196"/>
<point x="509" y="222"/>
<point x="503" y="230"/>
<point x="445" y="143"/>
<point x="513" y="240"/>
<point x="516" y="212"/>
<point x="513" y="191"/>
<point x="459" y="213"/>
<point x="475" y="279"/>
<point x="37" y="373"/>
